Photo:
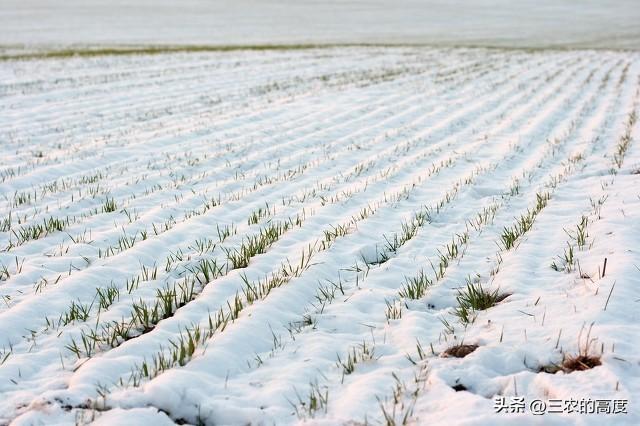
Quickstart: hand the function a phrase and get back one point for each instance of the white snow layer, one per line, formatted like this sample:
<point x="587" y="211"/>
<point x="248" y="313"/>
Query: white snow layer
<point x="229" y="238"/>
<point x="524" y="23"/>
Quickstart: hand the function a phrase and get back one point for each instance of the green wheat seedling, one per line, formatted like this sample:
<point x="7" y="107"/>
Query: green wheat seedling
<point x="203" y="245"/>
<point x="116" y="332"/>
<point x="166" y="299"/>
<point x="259" y="290"/>
<point x="4" y="272"/>
<point x="509" y="237"/>
<point x="308" y="320"/>
<point x="132" y="284"/>
<point x="173" y="258"/>
<point x="132" y="217"/>
<point x="107" y="296"/>
<point x="145" y="315"/>
<point x="422" y="355"/>
<point x="625" y="140"/>
<point x="257" y="244"/>
<point x="357" y="354"/>
<point x="149" y="273"/>
<point x="580" y="235"/>
<point x="169" y="299"/>
<point x="225" y="232"/>
<point x="186" y="293"/>
<point x="180" y="351"/>
<point x="4" y="354"/>
<point x="316" y="400"/>
<point x="416" y="287"/>
<point x="235" y="308"/>
<point x="325" y="294"/>
<point x="87" y="347"/>
<point x="596" y="205"/>
<point x="77" y="312"/>
<point x="364" y="213"/>
<point x="37" y="231"/>
<point x="259" y="214"/>
<point x="207" y="270"/>
<point x="42" y="283"/>
<point x="515" y="188"/>
<point x="93" y="191"/>
<point x="567" y="260"/>
<point x="5" y="223"/>
<point x="81" y="238"/>
<point x="335" y="232"/>
<point x="409" y="230"/>
<point x="86" y="180"/>
<point x="164" y="227"/>
<point x="9" y="173"/>
<point x="20" y="198"/>
<point x="475" y="298"/>
<point x="511" y="234"/>
<point x="542" y="200"/>
<point x="393" y="311"/>
<point x="109" y="205"/>
<point x="186" y="346"/>
<point x="339" y="231"/>
<point x="581" y="232"/>
<point x="402" y="410"/>
<point x="125" y="242"/>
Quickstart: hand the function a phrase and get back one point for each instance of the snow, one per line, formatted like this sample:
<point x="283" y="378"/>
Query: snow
<point x="508" y="23"/>
<point x="350" y="142"/>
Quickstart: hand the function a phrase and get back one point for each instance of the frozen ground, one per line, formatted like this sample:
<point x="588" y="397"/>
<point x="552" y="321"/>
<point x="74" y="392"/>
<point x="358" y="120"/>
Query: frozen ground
<point x="524" y="23"/>
<point x="281" y="236"/>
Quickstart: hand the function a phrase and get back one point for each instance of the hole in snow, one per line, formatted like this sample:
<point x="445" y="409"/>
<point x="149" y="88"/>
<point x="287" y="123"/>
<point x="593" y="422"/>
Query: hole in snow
<point x="459" y="351"/>
<point x="459" y="387"/>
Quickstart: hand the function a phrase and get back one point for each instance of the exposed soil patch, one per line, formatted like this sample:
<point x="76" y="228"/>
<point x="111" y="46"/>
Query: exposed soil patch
<point x="580" y="363"/>
<point x="571" y="364"/>
<point x="459" y="351"/>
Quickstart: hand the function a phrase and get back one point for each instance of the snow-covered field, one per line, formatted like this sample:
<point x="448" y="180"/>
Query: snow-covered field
<point x="314" y="235"/>
<point x="37" y="24"/>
